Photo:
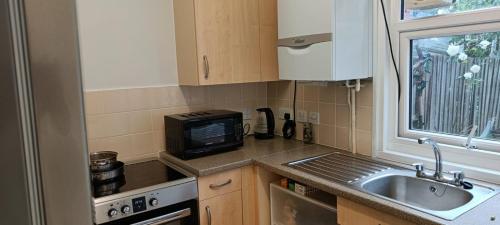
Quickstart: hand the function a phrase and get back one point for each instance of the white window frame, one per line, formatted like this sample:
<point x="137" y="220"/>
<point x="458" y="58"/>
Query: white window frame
<point x="398" y="143"/>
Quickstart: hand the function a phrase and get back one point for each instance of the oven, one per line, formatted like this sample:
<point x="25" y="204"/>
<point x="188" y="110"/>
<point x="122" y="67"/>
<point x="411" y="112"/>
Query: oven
<point x="151" y="193"/>
<point x="185" y="213"/>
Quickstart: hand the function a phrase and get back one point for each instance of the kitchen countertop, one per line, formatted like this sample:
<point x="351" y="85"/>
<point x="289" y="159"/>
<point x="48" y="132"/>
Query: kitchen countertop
<point x="244" y="156"/>
<point x="272" y="154"/>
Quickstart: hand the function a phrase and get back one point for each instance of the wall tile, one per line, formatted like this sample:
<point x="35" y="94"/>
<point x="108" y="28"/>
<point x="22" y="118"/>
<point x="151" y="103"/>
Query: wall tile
<point x="233" y="94"/>
<point x="284" y="104"/>
<point x="170" y="96"/>
<point x="120" y="144"/>
<point x="300" y="92"/>
<point x="249" y="91"/>
<point x="326" y="113"/>
<point x="311" y="93"/>
<point x="364" y="118"/>
<point x="159" y="141"/>
<point x="112" y="101"/>
<point x="261" y="103"/>
<point x="140" y="122"/>
<point x="178" y="96"/>
<point x="340" y="95"/>
<point x="261" y="90"/>
<point x="108" y="125"/>
<point x="299" y="131"/>
<point x="285" y="90"/>
<point x="327" y="93"/>
<point x="316" y="133"/>
<point x="342" y="138"/>
<point x="141" y="144"/>
<point x="365" y="95"/>
<point x="140" y="98"/>
<point x="326" y="135"/>
<point x="364" y="142"/>
<point x="157" y="116"/>
<point x="311" y="106"/>
<point x="272" y="89"/>
<point x="197" y="95"/>
<point x="342" y="116"/>
<point x="217" y="95"/>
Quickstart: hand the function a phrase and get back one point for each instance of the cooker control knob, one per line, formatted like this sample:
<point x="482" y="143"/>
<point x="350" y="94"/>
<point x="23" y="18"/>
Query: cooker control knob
<point x="112" y="212"/>
<point x="153" y="202"/>
<point x="125" y="209"/>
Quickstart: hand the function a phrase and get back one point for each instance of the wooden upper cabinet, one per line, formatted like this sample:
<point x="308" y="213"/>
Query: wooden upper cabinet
<point x="226" y="41"/>
<point x="269" y="40"/>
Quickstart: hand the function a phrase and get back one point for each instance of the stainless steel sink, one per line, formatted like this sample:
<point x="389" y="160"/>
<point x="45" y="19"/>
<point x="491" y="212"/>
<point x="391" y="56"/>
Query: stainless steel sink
<point x="419" y="193"/>
<point x="439" y="199"/>
<point x="396" y="184"/>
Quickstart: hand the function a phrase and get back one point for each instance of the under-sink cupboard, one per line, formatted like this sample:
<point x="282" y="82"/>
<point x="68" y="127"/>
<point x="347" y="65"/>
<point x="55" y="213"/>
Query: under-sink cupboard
<point x="352" y="213"/>
<point x="243" y="196"/>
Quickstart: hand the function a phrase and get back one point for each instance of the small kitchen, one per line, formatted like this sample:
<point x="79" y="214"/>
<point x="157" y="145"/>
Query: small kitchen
<point x="255" y="112"/>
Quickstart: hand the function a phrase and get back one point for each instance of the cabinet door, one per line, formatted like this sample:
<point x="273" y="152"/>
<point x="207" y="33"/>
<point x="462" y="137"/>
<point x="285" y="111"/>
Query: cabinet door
<point x="228" y="41"/>
<point x="222" y="210"/>
<point x="269" y="40"/>
<point x="351" y="213"/>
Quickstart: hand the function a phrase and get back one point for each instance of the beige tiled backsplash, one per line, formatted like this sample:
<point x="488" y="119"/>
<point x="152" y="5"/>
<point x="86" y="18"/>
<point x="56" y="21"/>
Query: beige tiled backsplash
<point x="331" y="103"/>
<point x="130" y="121"/>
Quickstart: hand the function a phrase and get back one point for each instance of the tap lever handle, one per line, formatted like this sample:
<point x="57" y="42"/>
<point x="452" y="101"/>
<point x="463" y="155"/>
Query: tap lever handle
<point x="466" y="185"/>
<point x="418" y="166"/>
<point x="458" y="175"/>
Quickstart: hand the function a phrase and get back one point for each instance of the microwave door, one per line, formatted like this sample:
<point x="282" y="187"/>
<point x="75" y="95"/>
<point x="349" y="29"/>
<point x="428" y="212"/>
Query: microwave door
<point x="210" y="133"/>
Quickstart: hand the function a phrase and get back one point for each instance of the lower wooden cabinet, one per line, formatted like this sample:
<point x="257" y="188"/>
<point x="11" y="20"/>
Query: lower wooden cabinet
<point x="224" y="209"/>
<point x="352" y="213"/>
<point x="222" y="195"/>
<point x="241" y="197"/>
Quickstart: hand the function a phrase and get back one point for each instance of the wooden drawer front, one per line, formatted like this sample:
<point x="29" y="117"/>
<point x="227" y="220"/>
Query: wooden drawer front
<point x="219" y="184"/>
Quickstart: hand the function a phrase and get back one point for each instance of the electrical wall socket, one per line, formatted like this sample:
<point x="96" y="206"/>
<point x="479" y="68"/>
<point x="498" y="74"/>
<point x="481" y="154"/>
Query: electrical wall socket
<point x="313" y="117"/>
<point x="282" y="112"/>
<point x="247" y="114"/>
<point x="302" y="116"/>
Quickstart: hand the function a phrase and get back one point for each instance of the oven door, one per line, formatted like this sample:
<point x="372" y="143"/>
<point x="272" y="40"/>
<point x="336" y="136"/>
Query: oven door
<point x="185" y="213"/>
<point x="174" y="218"/>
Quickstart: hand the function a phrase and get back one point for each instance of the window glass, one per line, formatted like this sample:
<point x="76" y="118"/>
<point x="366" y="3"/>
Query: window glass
<point x="455" y="85"/>
<point x="414" y="9"/>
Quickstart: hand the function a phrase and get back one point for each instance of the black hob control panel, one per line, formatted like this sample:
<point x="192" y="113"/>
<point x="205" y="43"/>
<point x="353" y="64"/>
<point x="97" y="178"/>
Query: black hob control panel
<point x="139" y="204"/>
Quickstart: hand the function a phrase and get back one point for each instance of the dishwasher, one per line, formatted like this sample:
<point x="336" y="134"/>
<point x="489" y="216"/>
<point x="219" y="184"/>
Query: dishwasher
<point x="290" y="208"/>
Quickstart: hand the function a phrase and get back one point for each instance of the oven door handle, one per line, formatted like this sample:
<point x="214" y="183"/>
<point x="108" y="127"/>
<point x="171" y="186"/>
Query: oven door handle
<point x="166" y="218"/>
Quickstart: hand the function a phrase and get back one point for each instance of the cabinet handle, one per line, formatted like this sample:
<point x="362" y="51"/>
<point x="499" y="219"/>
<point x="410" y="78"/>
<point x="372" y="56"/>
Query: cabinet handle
<point x="215" y="186"/>
<point x="209" y="215"/>
<point x="207" y="66"/>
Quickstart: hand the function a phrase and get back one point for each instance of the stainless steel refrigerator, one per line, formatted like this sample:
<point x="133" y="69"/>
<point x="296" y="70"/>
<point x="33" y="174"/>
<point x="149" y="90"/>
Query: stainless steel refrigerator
<point x="44" y="175"/>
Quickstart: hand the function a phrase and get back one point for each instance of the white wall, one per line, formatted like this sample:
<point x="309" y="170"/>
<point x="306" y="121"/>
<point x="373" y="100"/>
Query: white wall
<point x="127" y="43"/>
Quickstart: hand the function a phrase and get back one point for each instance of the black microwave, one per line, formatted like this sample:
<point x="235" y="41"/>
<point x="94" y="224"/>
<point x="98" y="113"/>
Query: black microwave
<point x="197" y="134"/>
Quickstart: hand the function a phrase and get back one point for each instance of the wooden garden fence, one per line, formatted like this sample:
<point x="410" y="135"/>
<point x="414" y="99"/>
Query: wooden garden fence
<point x="448" y="102"/>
